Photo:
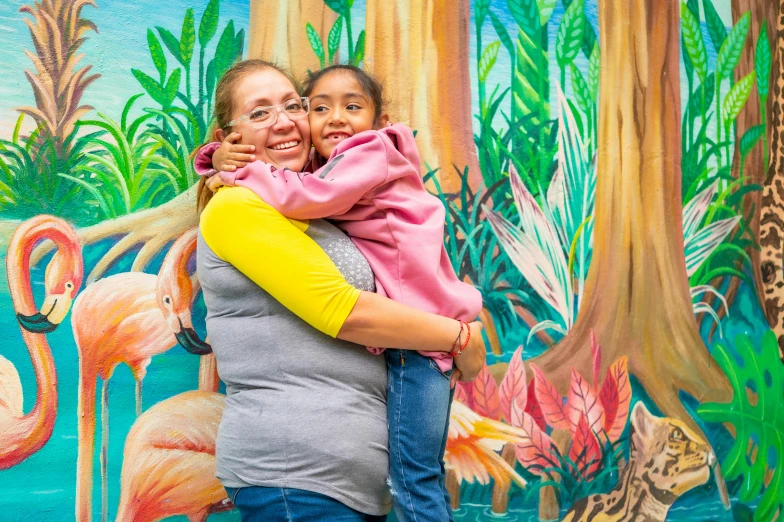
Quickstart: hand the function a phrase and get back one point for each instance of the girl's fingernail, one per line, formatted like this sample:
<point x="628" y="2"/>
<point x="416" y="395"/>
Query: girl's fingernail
<point x="252" y="157"/>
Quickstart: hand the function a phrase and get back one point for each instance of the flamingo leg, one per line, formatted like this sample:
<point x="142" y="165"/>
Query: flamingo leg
<point x="104" y="450"/>
<point x="138" y="397"/>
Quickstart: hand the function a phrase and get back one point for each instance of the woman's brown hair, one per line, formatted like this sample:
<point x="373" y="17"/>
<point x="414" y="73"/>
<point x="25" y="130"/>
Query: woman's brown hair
<point x="224" y="108"/>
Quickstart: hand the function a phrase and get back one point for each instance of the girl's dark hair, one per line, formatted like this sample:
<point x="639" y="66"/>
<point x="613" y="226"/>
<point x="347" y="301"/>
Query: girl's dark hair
<point x="224" y="106"/>
<point x="370" y="85"/>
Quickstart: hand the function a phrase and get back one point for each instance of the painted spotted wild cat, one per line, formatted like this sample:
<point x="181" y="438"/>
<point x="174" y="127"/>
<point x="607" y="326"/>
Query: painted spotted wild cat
<point x="667" y="460"/>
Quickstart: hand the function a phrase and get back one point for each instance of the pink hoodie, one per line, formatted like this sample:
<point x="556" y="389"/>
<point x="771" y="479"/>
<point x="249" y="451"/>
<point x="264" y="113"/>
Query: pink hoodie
<point x="372" y="189"/>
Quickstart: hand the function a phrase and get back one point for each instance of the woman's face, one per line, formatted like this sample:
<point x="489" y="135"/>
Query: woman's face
<point x="286" y="143"/>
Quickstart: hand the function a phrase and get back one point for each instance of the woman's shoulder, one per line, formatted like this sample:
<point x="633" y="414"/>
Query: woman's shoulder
<point x="240" y="207"/>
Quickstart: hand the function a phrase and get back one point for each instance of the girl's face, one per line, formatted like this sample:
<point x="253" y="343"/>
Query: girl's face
<point x="286" y="143"/>
<point x="339" y="108"/>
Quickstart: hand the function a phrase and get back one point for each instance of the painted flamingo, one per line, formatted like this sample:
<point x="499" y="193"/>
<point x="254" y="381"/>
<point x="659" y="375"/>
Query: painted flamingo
<point x="23" y="435"/>
<point x="118" y="320"/>
<point x="473" y="444"/>
<point x="169" y="458"/>
<point x="169" y="461"/>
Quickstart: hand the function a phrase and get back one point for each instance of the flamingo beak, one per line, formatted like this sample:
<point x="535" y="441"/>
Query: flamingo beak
<point x="52" y="313"/>
<point x="36" y="323"/>
<point x="189" y="339"/>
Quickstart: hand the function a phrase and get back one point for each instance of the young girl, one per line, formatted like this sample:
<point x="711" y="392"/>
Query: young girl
<point x="370" y="186"/>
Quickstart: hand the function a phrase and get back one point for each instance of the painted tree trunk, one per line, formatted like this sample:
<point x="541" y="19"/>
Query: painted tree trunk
<point x="637" y="293"/>
<point x="762" y="13"/>
<point x="430" y="91"/>
<point x="772" y="220"/>
<point x="277" y="32"/>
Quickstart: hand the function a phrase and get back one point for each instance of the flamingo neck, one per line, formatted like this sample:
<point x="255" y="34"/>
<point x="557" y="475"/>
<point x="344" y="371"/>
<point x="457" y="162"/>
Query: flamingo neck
<point x="40" y="420"/>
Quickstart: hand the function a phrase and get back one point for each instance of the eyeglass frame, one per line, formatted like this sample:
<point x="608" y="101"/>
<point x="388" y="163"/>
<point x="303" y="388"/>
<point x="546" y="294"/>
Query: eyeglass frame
<point x="304" y="101"/>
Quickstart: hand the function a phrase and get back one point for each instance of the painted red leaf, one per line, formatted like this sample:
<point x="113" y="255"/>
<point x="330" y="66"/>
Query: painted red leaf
<point x="533" y="408"/>
<point x="585" y="450"/>
<point x="486" y="401"/>
<point x="596" y="352"/>
<point x="462" y="395"/>
<point x="582" y="401"/>
<point x="616" y="397"/>
<point x="550" y="401"/>
<point x="513" y="388"/>
<point x="536" y="452"/>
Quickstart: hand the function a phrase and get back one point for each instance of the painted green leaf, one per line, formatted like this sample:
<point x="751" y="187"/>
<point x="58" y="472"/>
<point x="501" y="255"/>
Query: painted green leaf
<point x="489" y="56"/>
<point x="359" y="49"/>
<point x="694" y="7"/>
<point x="208" y="25"/>
<point x="762" y="62"/>
<point x="171" y="43"/>
<point x="156" y="51"/>
<point x="526" y="15"/>
<point x="224" y="53"/>
<point x="315" y="42"/>
<point x="333" y="41"/>
<point x="731" y="49"/>
<point x="187" y="38"/>
<point x="336" y="5"/>
<point x="150" y="85"/>
<point x="697" y="103"/>
<point x="481" y="7"/>
<point x="695" y="45"/>
<point x="750" y="139"/>
<point x="545" y="10"/>
<point x="172" y="84"/>
<point x="239" y="45"/>
<point x="716" y="29"/>
<point x="594" y="64"/>
<point x="580" y="88"/>
<point x="503" y="34"/>
<point x="570" y="33"/>
<point x="758" y="450"/>
<point x="210" y="78"/>
<point x="531" y="87"/>
<point x="687" y="65"/>
<point x="736" y="98"/>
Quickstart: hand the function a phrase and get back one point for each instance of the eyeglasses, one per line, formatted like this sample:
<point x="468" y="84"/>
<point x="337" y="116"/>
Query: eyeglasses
<point x="261" y="117"/>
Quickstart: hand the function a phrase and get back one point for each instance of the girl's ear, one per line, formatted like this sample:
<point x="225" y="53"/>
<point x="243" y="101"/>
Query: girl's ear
<point x="219" y="134"/>
<point x="382" y="121"/>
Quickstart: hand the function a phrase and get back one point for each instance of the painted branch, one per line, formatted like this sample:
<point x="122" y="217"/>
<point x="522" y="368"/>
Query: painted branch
<point x="500" y="501"/>
<point x="453" y="488"/>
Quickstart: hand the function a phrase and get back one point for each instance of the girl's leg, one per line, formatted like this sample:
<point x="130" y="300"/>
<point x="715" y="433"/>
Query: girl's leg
<point x="267" y="504"/>
<point x="417" y="404"/>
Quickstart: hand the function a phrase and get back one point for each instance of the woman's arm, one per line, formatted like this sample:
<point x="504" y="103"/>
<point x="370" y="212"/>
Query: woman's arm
<point x="275" y="253"/>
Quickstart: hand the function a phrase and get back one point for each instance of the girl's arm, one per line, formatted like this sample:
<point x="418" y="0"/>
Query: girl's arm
<point x="359" y="165"/>
<point x="276" y="254"/>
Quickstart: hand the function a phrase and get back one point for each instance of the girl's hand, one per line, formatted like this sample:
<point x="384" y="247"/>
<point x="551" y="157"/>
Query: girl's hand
<point x="215" y="182"/>
<point x="230" y="155"/>
<point x="470" y="361"/>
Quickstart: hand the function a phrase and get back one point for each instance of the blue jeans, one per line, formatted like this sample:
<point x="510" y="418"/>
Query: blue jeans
<point x="262" y="504"/>
<point x="418" y="403"/>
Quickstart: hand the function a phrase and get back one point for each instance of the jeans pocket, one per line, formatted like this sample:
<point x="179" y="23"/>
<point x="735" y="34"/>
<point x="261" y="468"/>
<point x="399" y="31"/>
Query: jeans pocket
<point x="447" y="374"/>
<point x="232" y="493"/>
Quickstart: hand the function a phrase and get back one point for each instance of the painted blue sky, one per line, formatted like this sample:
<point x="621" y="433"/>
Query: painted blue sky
<point x="119" y="45"/>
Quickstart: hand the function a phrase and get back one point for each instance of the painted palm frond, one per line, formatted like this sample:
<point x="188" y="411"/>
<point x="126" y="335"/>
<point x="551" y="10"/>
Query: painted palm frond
<point x="536" y="250"/>
<point x="699" y="243"/>
<point x="57" y="30"/>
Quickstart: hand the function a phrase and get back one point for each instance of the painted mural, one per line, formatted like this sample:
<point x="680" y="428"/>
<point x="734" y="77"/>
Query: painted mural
<point x="613" y="175"/>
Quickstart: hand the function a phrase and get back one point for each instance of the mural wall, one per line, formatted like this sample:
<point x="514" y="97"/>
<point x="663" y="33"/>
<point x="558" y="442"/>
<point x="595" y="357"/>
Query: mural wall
<point x="613" y="174"/>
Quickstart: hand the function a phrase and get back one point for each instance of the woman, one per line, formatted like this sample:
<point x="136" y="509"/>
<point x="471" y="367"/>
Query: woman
<point x="304" y="433"/>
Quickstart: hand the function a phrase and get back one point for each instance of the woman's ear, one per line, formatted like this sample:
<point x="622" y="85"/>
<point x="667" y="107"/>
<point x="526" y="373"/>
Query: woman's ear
<point x="219" y="134"/>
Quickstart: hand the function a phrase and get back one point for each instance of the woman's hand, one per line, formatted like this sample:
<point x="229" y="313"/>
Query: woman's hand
<point x="470" y="361"/>
<point x="230" y="155"/>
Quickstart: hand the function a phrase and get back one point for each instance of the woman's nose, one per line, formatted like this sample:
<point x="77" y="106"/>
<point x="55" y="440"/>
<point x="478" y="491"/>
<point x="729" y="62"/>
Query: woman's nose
<point x="282" y="121"/>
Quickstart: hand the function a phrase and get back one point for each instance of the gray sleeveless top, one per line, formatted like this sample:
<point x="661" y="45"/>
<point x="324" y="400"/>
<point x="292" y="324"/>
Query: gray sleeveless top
<point x="303" y="410"/>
